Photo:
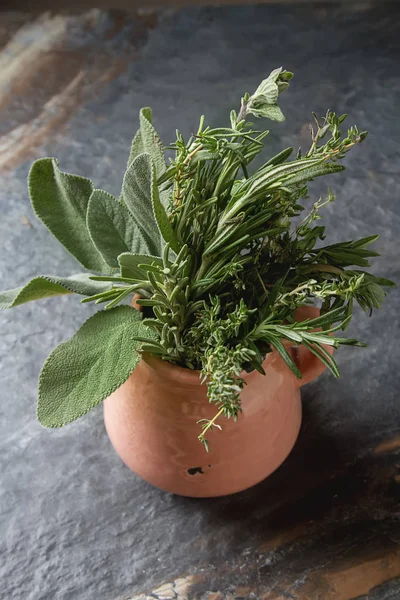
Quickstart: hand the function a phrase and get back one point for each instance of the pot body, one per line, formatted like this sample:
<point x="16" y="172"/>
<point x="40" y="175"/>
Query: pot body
<point x="152" y="422"/>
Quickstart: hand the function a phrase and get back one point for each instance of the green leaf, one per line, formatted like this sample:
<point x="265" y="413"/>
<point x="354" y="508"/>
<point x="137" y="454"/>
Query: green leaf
<point x="129" y="264"/>
<point x="280" y="158"/>
<point x="370" y="295"/>
<point x="45" y="286"/>
<point x="263" y="103"/>
<point x="378" y="280"/>
<point x="141" y="195"/>
<point x="365" y="241"/>
<point x="83" y="371"/>
<point x="268" y="89"/>
<point x="137" y="190"/>
<point x="268" y="111"/>
<point x="312" y="172"/>
<point x="161" y="216"/>
<point x="279" y="347"/>
<point x="147" y="140"/>
<point x="151" y="141"/>
<point x="348" y="253"/>
<point x="112" y="228"/>
<point x="136" y="148"/>
<point x="323" y="356"/>
<point x="333" y="316"/>
<point x="321" y="338"/>
<point x="288" y="333"/>
<point x="60" y="200"/>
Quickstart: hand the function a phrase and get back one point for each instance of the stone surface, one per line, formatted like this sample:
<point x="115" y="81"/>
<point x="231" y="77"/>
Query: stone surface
<point x="74" y="522"/>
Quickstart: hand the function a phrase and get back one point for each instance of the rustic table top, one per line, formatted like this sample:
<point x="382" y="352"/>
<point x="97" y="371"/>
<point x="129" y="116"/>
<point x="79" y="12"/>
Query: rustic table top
<point x="74" y="522"/>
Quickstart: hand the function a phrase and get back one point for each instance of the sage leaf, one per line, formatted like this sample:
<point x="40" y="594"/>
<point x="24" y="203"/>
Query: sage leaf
<point x="136" y="148"/>
<point x="151" y="141"/>
<point x="45" y="286"/>
<point x="112" y="228"/>
<point x="137" y="190"/>
<point x="81" y="372"/>
<point x="148" y="140"/>
<point x="60" y="201"/>
<point x="129" y="264"/>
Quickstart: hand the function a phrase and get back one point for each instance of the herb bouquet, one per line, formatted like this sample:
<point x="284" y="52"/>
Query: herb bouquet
<point x="220" y="258"/>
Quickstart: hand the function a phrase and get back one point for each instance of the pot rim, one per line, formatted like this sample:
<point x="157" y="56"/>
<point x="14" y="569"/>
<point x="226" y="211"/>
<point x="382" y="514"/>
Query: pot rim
<point x="185" y="376"/>
<point x="171" y="371"/>
<point x="191" y="377"/>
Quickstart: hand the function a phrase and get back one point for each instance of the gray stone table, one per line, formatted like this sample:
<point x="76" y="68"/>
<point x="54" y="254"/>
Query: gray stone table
<point x="75" y="524"/>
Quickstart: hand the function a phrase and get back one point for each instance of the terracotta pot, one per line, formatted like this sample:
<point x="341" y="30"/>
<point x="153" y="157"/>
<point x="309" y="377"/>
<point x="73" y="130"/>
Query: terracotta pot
<point x="152" y="422"/>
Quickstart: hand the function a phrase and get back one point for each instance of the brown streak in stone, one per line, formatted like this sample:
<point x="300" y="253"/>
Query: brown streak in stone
<point x="118" y="66"/>
<point x="388" y="446"/>
<point x="19" y="143"/>
<point x="36" y="87"/>
<point x="286" y="536"/>
<point x="346" y="578"/>
<point x="42" y="83"/>
<point x="26" y="47"/>
<point x="354" y="580"/>
<point x="350" y="568"/>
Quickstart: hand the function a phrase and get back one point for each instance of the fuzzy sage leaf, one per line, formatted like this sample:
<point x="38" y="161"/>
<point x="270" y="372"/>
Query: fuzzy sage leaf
<point x="60" y="201"/>
<point x="112" y="228"/>
<point x="45" y="286"/>
<point x="129" y="264"/>
<point x="137" y="191"/>
<point x="140" y="193"/>
<point x="81" y="372"/>
<point x="147" y="140"/>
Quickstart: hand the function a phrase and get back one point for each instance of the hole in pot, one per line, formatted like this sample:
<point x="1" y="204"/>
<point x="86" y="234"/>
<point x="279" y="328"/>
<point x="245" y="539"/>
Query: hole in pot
<point x="195" y="470"/>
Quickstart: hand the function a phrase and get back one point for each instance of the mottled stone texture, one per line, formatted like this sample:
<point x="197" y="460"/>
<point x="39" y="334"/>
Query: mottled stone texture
<point x="75" y="523"/>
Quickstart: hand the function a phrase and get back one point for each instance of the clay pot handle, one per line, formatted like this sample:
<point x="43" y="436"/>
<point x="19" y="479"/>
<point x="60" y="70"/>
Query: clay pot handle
<point x="135" y="304"/>
<point x="309" y="364"/>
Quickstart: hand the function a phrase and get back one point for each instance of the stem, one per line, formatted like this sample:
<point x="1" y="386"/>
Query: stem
<point x="231" y="213"/>
<point x="325" y="268"/>
<point x="179" y="175"/>
<point x="262" y="283"/>
<point x="203" y="268"/>
<point x="242" y="113"/>
<point x="210" y="424"/>
<point x="298" y="289"/>
<point x="313" y="145"/>
<point x="191" y="154"/>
